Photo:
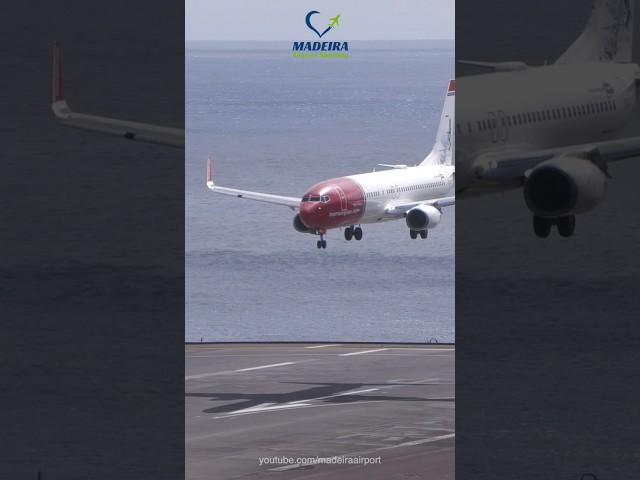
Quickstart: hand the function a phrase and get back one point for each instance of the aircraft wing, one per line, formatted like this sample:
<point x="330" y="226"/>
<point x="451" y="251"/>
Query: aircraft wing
<point x="400" y="209"/>
<point x="142" y="132"/>
<point x="291" y="202"/>
<point x="507" y="167"/>
<point x="496" y="66"/>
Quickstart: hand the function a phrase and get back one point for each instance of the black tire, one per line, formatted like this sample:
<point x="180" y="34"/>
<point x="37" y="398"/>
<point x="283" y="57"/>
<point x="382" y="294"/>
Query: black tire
<point x="413" y="234"/>
<point x="319" y="244"/>
<point x="567" y="225"/>
<point x="348" y="233"/>
<point x="541" y="226"/>
<point x="357" y="233"/>
<point x="423" y="234"/>
<point x="324" y="244"/>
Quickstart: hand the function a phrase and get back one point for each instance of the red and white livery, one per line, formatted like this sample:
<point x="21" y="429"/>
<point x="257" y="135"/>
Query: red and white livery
<point x="415" y="193"/>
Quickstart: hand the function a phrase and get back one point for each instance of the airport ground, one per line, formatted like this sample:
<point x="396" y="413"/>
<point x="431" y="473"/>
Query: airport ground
<point x="393" y="404"/>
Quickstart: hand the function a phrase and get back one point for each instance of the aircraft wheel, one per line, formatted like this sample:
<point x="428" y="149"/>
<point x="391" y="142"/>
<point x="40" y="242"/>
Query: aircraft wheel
<point x="358" y="233"/>
<point x="541" y="226"/>
<point x="324" y="243"/>
<point x="423" y="234"/>
<point x="413" y="234"/>
<point x="319" y="244"/>
<point x="567" y="225"/>
<point x="348" y="233"/>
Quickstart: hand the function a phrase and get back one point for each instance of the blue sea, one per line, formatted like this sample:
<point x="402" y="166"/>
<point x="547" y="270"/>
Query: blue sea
<point x="277" y="124"/>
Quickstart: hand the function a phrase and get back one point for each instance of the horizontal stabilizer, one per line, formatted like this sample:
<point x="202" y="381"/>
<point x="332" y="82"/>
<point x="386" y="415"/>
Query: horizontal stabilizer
<point x="393" y="166"/>
<point x="496" y="66"/>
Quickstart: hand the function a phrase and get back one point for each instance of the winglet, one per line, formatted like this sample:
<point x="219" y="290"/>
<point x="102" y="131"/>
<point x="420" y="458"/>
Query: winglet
<point x="210" y="183"/>
<point x="58" y="103"/>
<point x="58" y="80"/>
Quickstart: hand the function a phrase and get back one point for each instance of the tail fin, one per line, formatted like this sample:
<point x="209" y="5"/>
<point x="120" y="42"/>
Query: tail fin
<point x="608" y="36"/>
<point x="443" y="152"/>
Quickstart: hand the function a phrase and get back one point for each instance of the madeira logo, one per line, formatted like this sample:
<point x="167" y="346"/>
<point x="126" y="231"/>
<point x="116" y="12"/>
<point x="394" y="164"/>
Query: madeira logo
<point x="305" y="49"/>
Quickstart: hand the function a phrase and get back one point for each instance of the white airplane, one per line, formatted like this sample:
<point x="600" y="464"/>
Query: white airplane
<point x="552" y="129"/>
<point x="415" y="193"/>
<point x="142" y="132"/>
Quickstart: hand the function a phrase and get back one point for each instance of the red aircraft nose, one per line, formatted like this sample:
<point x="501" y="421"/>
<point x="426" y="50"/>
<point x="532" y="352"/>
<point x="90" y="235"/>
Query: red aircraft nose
<point x="333" y="203"/>
<point x="312" y="213"/>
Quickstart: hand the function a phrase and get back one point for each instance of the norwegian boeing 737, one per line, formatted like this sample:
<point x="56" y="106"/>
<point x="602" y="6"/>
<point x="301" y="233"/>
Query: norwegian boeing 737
<point x="552" y="129"/>
<point x="415" y="193"/>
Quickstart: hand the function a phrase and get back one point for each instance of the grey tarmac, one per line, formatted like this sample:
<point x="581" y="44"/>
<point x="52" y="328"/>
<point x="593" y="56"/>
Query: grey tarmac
<point x="289" y="404"/>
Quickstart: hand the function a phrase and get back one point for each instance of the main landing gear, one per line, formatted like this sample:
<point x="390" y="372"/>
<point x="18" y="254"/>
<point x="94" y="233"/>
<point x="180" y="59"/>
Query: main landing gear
<point x="414" y="234"/>
<point x="353" y="232"/>
<point x="566" y="225"/>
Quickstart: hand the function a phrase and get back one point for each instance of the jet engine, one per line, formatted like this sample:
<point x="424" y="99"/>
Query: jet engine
<point x="299" y="226"/>
<point x="423" y="217"/>
<point x="564" y="186"/>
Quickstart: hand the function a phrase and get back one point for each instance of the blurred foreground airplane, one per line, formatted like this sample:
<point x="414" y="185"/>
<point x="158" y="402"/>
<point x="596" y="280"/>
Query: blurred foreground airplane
<point x="416" y="194"/>
<point x="142" y="132"/>
<point x="552" y="129"/>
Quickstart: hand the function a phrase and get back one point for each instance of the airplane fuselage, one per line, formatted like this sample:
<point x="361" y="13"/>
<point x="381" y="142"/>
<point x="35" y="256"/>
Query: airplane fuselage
<point x="539" y="108"/>
<point x="365" y="198"/>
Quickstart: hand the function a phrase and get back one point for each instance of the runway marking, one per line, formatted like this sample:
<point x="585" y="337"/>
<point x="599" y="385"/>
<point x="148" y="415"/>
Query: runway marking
<point x="285" y="467"/>
<point x="265" y="366"/>
<point x="285" y="406"/>
<point x="363" y="352"/>
<point x="268" y="407"/>
<point x="323" y="346"/>
<point x="205" y="375"/>
<point x="265" y="407"/>
<point x="353" y="392"/>
<point x="391" y="352"/>
<point x="419" y="442"/>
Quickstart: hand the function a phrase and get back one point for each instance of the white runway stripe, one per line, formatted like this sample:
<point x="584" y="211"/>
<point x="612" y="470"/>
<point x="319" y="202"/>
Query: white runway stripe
<point x="355" y="392"/>
<point x="265" y="366"/>
<point x="323" y="346"/>
<point x="205" y="375"/>
<point x="227" y="372"/>
<point x="285" y="467"/>
<point x="363" y="352"/>
<point x="419" y="442"/>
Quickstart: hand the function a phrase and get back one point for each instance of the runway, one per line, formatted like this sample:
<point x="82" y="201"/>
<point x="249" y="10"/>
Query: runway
<point x="288" y="405"/>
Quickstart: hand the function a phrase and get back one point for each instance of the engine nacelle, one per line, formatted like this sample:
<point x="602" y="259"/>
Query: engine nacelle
<point x="299" y="226"/>
<point x="423" y="217"/>
<point x="564" y="186"/>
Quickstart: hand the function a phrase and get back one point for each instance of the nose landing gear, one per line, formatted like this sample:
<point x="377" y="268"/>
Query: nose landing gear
<point x="353" y="232"/>
<point x="322" y="243"/>
<point x="414" y="234"/>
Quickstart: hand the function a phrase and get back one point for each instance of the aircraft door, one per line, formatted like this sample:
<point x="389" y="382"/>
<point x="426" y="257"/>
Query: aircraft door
<point x="503" y="126"/>
<point x="493" y="125"/>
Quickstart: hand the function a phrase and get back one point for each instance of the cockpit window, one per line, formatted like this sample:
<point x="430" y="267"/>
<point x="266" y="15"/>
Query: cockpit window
<point x="315" y="198"/>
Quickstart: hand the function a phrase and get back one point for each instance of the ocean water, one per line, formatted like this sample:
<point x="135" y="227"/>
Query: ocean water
<point x="277" y="124"/>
